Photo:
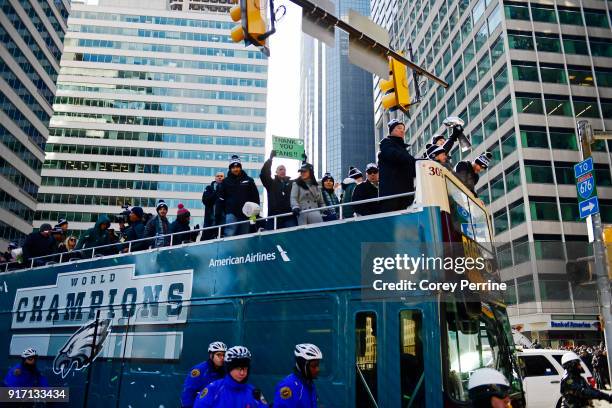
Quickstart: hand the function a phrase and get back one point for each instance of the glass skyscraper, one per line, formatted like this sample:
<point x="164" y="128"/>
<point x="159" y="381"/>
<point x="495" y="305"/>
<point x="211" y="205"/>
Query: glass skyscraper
<point x="521" y="74"/>
<point x="151" y="103"/>
<point x="31" y="35"/>
<point x="336" y="103"/>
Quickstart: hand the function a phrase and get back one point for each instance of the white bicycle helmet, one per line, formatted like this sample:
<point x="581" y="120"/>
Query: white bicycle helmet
<point x="569" y="357"/>
<point x="308" y="352"/>
<point x="216" y="346"/>
<point x="485" y="383"/>
<point x="237" y="353"/>
<point x="29" y="352"/>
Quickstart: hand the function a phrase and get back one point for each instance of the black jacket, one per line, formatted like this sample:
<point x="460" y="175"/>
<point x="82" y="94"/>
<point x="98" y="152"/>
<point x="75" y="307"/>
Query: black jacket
<point x="397" y="169"/>
<point x="465" y="172"/>
<point x="135" y="232"/>
<point x="365" y="191"/>
<point x="187" y="236"/>
<point x="234" y="192"/>
<point x="209" y="199"/>
<point x="577" y="393"/>
<point x="278" y="190"/>
<point x="36" y="245"/>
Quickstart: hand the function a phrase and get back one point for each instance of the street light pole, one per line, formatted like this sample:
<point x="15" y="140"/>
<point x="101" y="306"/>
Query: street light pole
<point x="585" y="133"/>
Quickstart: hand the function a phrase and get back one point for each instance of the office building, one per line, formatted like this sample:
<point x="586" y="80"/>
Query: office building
<point x="336" y="103"/>
<point x="521" y="74"/>
<point x="151" y="103"/>
<point x="31" y="35"/>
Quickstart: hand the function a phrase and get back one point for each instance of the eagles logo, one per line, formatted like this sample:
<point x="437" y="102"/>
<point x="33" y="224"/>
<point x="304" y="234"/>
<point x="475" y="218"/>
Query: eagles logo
<point x="204" y="392"/>
<point x="82" y="347"/>
<point x="195" y="373"/>
<point x="285" y="393"/>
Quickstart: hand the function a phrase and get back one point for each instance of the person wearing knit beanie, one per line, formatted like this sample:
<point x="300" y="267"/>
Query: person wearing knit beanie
<point x="181" y="224"/>
<point x="159" y="226"/>
<point x="467" y="171"/>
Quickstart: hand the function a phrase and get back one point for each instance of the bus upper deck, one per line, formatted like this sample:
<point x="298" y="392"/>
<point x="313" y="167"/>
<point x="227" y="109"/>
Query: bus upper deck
<point x="154" y="310"/>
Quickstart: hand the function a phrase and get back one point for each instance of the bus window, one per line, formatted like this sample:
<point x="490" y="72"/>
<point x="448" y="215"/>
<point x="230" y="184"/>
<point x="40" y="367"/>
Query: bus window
<point x="411" y="359"/>
<point x="366" y="375"/>
<point x="467" y="217"/>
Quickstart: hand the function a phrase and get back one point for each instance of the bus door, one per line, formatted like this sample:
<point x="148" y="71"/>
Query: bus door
<point x="412" y="355"/>
<point x="364" y="363"/>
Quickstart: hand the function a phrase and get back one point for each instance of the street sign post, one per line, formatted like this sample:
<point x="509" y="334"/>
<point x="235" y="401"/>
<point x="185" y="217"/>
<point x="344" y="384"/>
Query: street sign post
<point x="287" y="147"/>
<point x="588" y="204"/>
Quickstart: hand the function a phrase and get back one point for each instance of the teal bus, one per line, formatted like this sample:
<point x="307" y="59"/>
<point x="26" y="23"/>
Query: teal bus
<point x="124" y="330"/>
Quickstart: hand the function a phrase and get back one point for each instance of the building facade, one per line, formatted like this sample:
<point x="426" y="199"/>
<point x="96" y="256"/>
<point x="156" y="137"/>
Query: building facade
<point x="521" y="74"/>
<point x="31" y="36"/>
<point x="151" y="103"/>
<point x="336" y="121"/>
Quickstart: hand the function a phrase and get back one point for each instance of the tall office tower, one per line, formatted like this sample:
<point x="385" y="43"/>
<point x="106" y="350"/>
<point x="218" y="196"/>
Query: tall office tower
<point x="521" y="74"/>
<point x="336" y="103"/>
<point x="31" y="35"/>
<point x="151" y="103"/>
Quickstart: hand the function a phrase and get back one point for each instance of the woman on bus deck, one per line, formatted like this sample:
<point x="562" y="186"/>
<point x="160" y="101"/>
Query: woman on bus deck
<point x="329" y="197"/>
<point x="306" y="195"/>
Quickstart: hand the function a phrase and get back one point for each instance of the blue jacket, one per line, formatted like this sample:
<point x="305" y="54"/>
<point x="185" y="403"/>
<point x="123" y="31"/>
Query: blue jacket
<point x="227" y="393"/>
<point x="19" y="376"/>
<point x="295" y="392"/>
<point x="199" y="377"/>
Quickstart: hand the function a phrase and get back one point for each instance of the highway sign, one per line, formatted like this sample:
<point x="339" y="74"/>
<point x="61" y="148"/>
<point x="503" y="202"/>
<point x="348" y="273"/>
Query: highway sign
<point x="589" y="207"/>
<point x="585" y="185"/>
<point x="585" y="166"/>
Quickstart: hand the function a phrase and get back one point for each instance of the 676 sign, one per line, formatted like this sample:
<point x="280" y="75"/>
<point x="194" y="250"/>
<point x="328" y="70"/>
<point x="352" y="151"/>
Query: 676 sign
<point x="585" y="185"/>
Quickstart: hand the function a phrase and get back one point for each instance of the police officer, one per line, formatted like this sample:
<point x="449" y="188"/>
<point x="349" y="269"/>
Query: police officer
<point x="575" y="391"/>
<point x="26" y="374"/>
<point x="232" y="391"/>
<point x="204" y="373"/>
<point x="297" y="390"/>
<point x="488" y="388"/>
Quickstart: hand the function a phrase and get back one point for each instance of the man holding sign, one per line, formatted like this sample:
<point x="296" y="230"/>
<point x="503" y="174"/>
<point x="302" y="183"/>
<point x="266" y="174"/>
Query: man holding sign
<point x="278" y="190"/>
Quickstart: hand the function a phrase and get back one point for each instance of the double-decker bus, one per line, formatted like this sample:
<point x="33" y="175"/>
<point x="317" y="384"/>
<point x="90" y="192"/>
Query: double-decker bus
<point x="124" y="330"/>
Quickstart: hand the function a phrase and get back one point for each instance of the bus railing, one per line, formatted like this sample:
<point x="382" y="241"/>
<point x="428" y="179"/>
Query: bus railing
<point x="126" y="246"/>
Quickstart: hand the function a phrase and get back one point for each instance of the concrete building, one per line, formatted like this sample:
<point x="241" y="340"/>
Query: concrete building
<point x="521" y="74"/>
<point x="336" y="121"/>
<point x="31" y="35"/>
<point x="151" y="103"/>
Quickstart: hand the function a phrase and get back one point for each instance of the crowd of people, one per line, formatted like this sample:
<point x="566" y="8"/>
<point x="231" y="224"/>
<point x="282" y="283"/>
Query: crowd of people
<point x="596" y="359"/>
<point x="232" y="200"/>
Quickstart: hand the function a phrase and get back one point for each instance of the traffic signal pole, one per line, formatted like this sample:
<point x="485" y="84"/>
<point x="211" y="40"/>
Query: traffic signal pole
<point x="585" y="133"/>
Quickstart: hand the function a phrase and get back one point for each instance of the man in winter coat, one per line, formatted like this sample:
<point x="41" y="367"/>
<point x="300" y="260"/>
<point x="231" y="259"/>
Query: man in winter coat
<point x="349" y="184"/>
<point x="201" y="375"/>
<point x="397" y="168"/>
<point x="95" y="237"/>
<point x="278" y="190"/>
<point x="209" y="199"/>
<point x="306" y="195"/>
<point x="233" y="390"/>
<point x="26" y="374"/>
<point x="235" y="190"/>
<point x="159" y="226"/>
<point x="438" y="154"/>
<point x="181" y="224"/>
<point x="467" y="171"/>
<point x="136" y="230"/>
<point x="366" y="191"/>
<point x="37" y="244"/>
<point x="297" y="390"/>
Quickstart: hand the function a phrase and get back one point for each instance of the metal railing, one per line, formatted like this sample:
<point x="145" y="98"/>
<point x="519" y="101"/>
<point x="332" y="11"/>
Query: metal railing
<point x="126" y="247"/>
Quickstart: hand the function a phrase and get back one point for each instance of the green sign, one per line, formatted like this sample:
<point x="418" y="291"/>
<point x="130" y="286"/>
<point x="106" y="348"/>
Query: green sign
<point x="288" y="147"/>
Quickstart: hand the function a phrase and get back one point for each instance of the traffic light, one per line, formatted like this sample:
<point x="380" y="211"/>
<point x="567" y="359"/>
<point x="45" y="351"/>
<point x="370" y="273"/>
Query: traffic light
<point x="252" y="17"/>
<point x="579" y="271"/>
<point x="395" y="89"/>
<point x="607" y="239"/>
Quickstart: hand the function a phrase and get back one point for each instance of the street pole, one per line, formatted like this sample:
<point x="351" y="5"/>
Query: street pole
<point x="585" y="132"/>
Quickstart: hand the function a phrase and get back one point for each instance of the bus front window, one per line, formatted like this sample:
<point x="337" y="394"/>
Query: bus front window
<point x="475" y="339"/>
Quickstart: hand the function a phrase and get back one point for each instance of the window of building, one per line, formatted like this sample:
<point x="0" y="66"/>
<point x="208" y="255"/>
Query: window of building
<point x="570" y="16"/>
<point x="575" y="45"/>
<point x="596" y="18"/>
<point x="476" y="136"/>
<point x="580" y="76"/>
<point x="497" y="49"/>
<point x="412" y="370"/>
<point x="483" y="194"/>
<point x="490" y="124"/>
<point x="481" y="37"/>
<point x="456" y="44"/>
<point x="539" y="172"/>
<point x="494" y="19"/>
<point x="472" y="79"/>
<point x="543" y="211"/>
<point x="484" y="65"/>
<point x="557" y="105"/>
<point x="513" y="178"/>
<point x="563" y="139"/>
<point x="478" y="10"/>
<point x="501" y="80"/>
<point x="466" y="27"/>
<point x="543" y="14"/>
<point x="460" y="92"/>
<point x="497" y="187"/>
<point x="468" y="53"/>
<point x="525" y="288"/>
<point x="504" y="111"/>
<point x="570" y="212"/>
<point x="450" y="104"/>
<point x="516" y="12"/>
<point x="564" y="173"/>
<point x="534" y="137"/>
<point x="604" y="77"/>
<point x="516" y="211"/>
<point x="529" y="104"/>
<point x="500" y="221"/>
<point x="524" y="71"/>
<point x="474" y="107"/>
<point x="548" y="42"/>
<point x="520" y="41"/>
<point x="487" y="94"/>
<point x="586" y="108"/>
<point x="458" y="68"/>
<point x="602" y="175"/>
<point x="508" y="143"/>
<point x="496" y="152"/>
<point x="553" y="74"/>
